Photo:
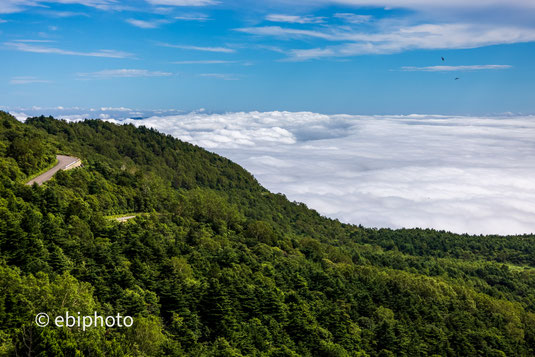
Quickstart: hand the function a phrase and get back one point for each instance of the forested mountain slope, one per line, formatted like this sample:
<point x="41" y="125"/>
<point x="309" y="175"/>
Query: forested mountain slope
<point x="218" y="266"/>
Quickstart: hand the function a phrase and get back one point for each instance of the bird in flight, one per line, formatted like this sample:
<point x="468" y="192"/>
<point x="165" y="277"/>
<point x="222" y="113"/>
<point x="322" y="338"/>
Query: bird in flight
<point x="457" y="78"/>
<point x="442" y="59"/>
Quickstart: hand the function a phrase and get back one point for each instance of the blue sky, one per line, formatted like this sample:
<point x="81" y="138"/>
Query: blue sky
<point x="327" y="56"/>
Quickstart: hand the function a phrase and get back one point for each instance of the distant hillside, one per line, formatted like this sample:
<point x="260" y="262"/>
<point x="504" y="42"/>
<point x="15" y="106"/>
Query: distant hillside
<point x="215" y="265"/>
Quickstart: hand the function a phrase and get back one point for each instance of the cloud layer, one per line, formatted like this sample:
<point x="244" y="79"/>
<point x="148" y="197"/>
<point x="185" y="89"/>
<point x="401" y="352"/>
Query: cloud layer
<point x="462" y="174"/>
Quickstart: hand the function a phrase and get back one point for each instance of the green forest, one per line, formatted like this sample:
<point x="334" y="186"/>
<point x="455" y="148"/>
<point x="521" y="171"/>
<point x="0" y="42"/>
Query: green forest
<point x="213" y="264"/>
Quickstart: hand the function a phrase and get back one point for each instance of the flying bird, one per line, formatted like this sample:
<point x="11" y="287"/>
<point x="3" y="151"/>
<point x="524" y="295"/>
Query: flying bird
<point x="457" y="78"/>
<point x="442" y="59"/>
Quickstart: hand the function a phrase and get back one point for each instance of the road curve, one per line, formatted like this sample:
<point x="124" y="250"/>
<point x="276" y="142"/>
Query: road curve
<point x="125" y="218"/>
<point x="64" y="163"/>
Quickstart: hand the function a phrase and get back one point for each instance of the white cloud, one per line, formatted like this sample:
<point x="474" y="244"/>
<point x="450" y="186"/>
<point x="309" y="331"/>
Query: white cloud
<point x="146" y="24"/>
<point x="24" y="47"/>
<point x="386" y="40"/>
<point x="289" y="33"/>
<point x="353" y="18"/>
<point x="183" y="2"/>
<point x="423" y="4"/>
<point x="199" y="48"/>
<point x="463" y="174"/>
<point x="303" y="55"/>
<point x="27" y="80"/>
<point x="20" y="116"/>
<point x="295" y="19"/>
<point x="115" y="109"/>
<point x="123" y="73"/>
<point x="456" y="68"/>
<point x="11" y="6"/>
<point x="63" y="14"/>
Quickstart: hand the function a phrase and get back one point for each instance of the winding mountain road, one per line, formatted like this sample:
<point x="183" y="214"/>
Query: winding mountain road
<point x="64" y="163"/>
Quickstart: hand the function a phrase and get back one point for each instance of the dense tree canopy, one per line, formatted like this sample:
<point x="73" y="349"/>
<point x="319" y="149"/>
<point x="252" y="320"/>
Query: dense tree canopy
<point x="215" y="265"/>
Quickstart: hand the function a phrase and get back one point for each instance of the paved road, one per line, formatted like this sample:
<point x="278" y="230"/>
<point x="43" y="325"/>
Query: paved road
<point x="63" y="163"/>
<point x="125" y="218"/>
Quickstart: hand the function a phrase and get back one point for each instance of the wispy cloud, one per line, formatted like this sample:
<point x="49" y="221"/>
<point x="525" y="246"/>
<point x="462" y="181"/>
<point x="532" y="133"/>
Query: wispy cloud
<point x="193" y="17"/>
<point x="24" y="47"/>
<point x="152" y="24"/>
<point x="199" y="48"/>
<point x="456" y="68"/>
<point x="27" y="80"/>
<point x="183" y="2"/>
<point x="223" y="76"/>
<point x="290" y="33"/>
<point x="63" y="14"/>
<point x="11" y="6"/>
<point x="427" y="4"/>
<point x="33" y="41"/>
<point x="204" y="62"/>
<point x="386" y="40"/>
<point x="353" y="18"/>
<point x="123" y="73"/>
<point x="295" y="19"/>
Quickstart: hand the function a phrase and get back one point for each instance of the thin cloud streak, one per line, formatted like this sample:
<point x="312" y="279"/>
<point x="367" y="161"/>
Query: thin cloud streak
<point x="204" y="62"/>
<point x="12" y="6"/>
<point x="24" y="47"/>
<point x="123" y="73"/>
<point x="290" y="33"/>
<point x="193" y="17"/>
<point x="200" y="48"/>
<point x="223" y="76"/>
<point x="34" y="41"/>
<point x="146" y="24"/>
<point x="426" y="4"/>
<point x="456" y="68"/>
<point x="183" y="2"/>
<point x="63" y="14"/>
<point x="295" y="19"/>
<point x="27" y="80"/>
<point x="353" y="18"/>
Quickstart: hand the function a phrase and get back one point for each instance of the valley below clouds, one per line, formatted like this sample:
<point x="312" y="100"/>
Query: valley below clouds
<point x="460" y="174"/>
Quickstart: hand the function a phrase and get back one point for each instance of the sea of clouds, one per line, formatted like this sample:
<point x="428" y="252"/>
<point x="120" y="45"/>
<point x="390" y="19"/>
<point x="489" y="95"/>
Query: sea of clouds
<point x="461" y="174"/>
